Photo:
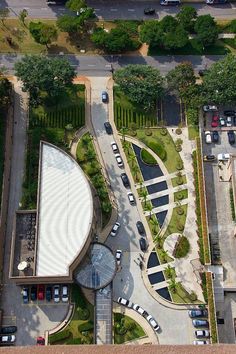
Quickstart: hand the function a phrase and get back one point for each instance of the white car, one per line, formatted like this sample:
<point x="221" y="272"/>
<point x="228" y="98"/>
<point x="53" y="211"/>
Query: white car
<point x="153" y="323"/>
<point x="114" y="147"/>
<point x="56" y="293"/>
<point x="210" y="108"/>
<point x="208" y="137"/>
<point x="202" y="333"/>
<point x="118" y="257"/>
<point x="222" y="121"/>
<point x="8" y="339"/>
<point x="131" y="198"/>
<point x="115" y="229"/>
<point x="229" y="121"/>
<point x="200" y="342"/>
<point x="125" y="302"/>
<point x="139" y="309"/>
<point x="65" y="297"/>
<point x="119" y="160"/>
<point x="223" y="157"/>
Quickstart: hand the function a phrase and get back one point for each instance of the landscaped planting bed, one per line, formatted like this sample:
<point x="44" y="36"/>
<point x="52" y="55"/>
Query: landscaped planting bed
<point x="180" y="195"/>
<point x="179" y="180"/>
<point x="182" y="248"/>
<point x="177" y="221"/>
<point x="132" y="162"/>
<point x="126" y="329"/>
<point x="147" y="157"/>
<point x="211" y="308"/>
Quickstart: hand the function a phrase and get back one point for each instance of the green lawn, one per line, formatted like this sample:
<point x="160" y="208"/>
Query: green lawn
<point x="86" y="157"/>
<point x="192" y="48"/>
<point x="193" y="132"/>
<point x="175" y="180"/>
<point x="80" y="328"/>
<point x="131" y="329"/>
<point x="172" y="156"/>
<point x="181" y="295"/>
<point x="176" y="220"/>
<point x="126" y="112"/>
<point x="180" y="195"/>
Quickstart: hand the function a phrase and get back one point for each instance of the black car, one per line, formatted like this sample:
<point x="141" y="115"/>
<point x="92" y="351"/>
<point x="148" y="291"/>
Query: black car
<point x="209" y="158"/>
<point x="125" y="180"/>
<point x="202" y="72"/>
<point x="229" y="112"/>
<point x="149" y="11"/>
<point x="33" y="293"/>
<point x="108" y="128"/>
<point x="215" y="136"/>
<point x="140" y="227"/>
<point x="143" y="244"/>
<point x="231" y="137"/>
<point x="48" y="293"/>
<point x="8" y="329"/>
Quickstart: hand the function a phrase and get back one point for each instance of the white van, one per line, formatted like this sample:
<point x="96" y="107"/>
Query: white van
<point x="170" y="2"/>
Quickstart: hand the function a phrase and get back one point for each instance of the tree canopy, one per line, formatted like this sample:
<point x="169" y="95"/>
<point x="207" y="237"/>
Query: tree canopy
<point x="43" y="33"/>
<point x="71" y="24"/>
<point x="219" y="83"/>
<point x="22" y="15"/>
<point x="141" y="83"/>
<point x="75" y="5"/>
<point x="180" y="78"/>
<point x="206" y="30"/>
<point x="39" y="73"/>
<point x="186" y="17"/>
<point x="150" y="33"/>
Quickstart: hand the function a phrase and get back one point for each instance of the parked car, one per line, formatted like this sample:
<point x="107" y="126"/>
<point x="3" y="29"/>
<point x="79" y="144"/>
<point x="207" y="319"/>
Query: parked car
<point x="170" y="2"/>
<point x="153" y="323"/>
<point x="202" y="72"/>
<point x="33" y="293"/>
<point x="131" y="198"/>
<point x="143" y="244"/>
<point x="140" y="227"/>
<point x="204" y="333"/>
<point x="7" y="339"/>
<point x="115" y="229"/>
<point x="215" y="120"/>
<point x="118" y="257"/>
<point x="197" y="313"/>
<point x="229" y="121"/>
<point x="229" y="112"/>
<point x="223" y="157"/>
<point x="49" y="293"/>
<point x="8" y="329"/>
<point x="25" y="295"/>
<point x="215" y="136"/>
<point x="119" y="160"/>
<point x="222" y="122"/>
<point x="56" y="293"/>
<point x="40" y="292"/>
<point x="114" y="147"/>
<point x="149" y="11"/>
<point x="200" y="323"/>
<point x="125" y="302"/>
<point x="209" y="158"/>
<point x="214" y="124"/>
<point x="125" y="180"/>
<point x="65" y="293"/>
<point x="208" y="137"/>
<point x="210" y="108"/>
<point x="108" y="128"/>
<point x="200" y="342"/>
<point x="140" y="310"/>
<point x="40" y="341"/>
<point x="104" y="97"/>
<point x="231" y="137"/>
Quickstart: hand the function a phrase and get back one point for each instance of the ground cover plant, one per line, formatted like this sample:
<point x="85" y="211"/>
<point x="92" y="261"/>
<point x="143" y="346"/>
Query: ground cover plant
<point x="126" y="329"/>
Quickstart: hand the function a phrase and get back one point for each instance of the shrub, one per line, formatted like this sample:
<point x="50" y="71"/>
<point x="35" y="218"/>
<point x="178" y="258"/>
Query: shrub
<point x="83" y="313"/>
<point x="73" y="341"/>
<point x="148" y="132"/>
<point x="180" y="227"/>
<point x="233" y="26"/>
<point x="179" y="196"/>
<point x="180" y="180"/>
<point x="180" y="211"/>
<point x="179" y="165"/>
<point x="178" y="131"/>
<point x="158" y="149"/>
<point x="211" y="308"/>
<point x="178" y="148"/>
<point x="87" y="326"/>
<point x="163" y="131"/>
<point x="120" y="329"/>
<point x="59" y="336"/>
<point x="147" y="157"/>
<point x="182" y="248"/>
<point x="193" y="296"/>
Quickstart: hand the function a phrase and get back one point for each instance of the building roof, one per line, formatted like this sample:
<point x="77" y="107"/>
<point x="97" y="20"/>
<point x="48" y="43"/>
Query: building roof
<point x="65" y="211"/>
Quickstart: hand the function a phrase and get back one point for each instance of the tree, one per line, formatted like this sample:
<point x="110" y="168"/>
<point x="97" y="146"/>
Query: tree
<point x="151" y="33"/>
<point x="4" y="13"/>
<point x="219" y="83"/>
<point x="132" y="159"/>
<point x="135" y="172"/>
<point x="72" y="24"/>
<point x="172" y="285"/>
<point x="5" y="88"/>
<point x="169" y="271"/>
<point x="164" y="255"/>
<point x="141" y="83"/>
<point x="75" y="5"/>
<point x="186" y="17"/>
<point x="144" y="194"/>
<point x="180" y="78"/>
<point x="43" y="33"/>
<point x="149" y="208"/>
<point x="39" y="73"/>
<point x="22" y="16"/>
<point x="158" y="240"/>
<point x="155" y="224"/>
<point x="177" y="38"/>
<point x="206" y="30"/>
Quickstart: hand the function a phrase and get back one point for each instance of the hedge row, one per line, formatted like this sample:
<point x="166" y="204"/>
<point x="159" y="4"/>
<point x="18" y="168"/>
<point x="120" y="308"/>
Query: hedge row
<point x="147" y="157"/>
<point x="211" y="308"/>
<point x="124" y="117"/>
<point x="158" y="149"/>
<point x="232" y="203"/>
<point x="205" y="237"/>
<point x="59" y="336"/>
<point x="74" y="115"/>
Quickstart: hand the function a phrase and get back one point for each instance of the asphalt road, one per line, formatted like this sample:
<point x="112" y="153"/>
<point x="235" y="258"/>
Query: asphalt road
<point x="94" y="65"/>
<point x="113" y="9"/>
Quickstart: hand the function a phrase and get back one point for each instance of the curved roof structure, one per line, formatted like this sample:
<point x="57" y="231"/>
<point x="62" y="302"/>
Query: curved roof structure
<point x="65" y="212"/>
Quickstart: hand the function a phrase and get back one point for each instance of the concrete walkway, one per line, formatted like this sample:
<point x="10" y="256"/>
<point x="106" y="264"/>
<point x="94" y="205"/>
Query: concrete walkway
<point x="167" y="191"/>
<point x="159" y="268"/>
<point x="169" y="206"/>
<point x="166" y="177"/>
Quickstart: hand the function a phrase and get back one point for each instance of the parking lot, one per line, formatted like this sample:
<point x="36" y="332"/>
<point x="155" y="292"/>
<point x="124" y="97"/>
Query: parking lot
<point x="221" y="225"/>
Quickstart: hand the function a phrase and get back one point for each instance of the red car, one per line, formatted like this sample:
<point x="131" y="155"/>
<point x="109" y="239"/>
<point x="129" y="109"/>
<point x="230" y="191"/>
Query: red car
<point x="41" y="292"/>
<point x="215" y="117"/>
<point x="214" y="124"/>
<point x="40" y="341"/>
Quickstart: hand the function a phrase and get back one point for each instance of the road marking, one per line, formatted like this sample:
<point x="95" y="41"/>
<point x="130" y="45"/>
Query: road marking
<point x="44" y="8"/>
<point x="131" y="10"/>
<point x="113" y="9"/>
<point x="97" y="9"/>
<point x="91" y="65"/>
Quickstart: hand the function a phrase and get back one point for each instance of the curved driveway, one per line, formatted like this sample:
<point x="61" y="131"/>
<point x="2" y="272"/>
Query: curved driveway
<point x="176" y="327"/>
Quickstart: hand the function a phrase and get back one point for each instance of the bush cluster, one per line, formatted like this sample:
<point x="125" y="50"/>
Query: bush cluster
<point x="182" y="248"/>
<point x="87" y="326"/>
<point x="158" y="149"/>
<point x="232" y="203"/>
<point x="147" y="157"/>
<point x="59" y="336"/>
